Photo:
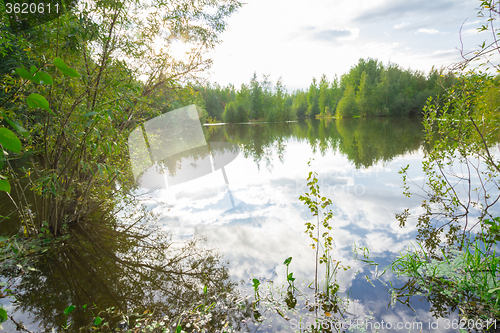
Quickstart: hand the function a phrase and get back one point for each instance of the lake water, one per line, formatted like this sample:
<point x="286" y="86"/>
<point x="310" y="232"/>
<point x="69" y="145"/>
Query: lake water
<point x="250" y="212"/>
<point x="257" y="221"/>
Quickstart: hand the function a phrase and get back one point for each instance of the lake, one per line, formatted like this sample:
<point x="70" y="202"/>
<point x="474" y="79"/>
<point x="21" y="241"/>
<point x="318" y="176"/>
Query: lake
<point x="249" y="212"/>
<point x="357" y="161"/>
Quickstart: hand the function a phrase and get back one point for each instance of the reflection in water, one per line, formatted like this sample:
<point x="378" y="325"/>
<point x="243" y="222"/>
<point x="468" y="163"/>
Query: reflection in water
<point x="364" y="141"/>
<point x="358" y="171"/>
<point x="171" y="150"/>
<point x="357" y="161"/>
<point x="441" y="306"/>
<point x="132" y="267"/>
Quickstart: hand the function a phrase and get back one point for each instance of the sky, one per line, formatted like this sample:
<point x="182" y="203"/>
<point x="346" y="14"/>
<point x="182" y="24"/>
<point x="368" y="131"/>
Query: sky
<point x="302" y="39"/>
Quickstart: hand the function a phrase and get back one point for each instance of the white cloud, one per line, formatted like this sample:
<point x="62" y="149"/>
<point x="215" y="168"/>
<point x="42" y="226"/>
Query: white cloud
<point x="469" y="32"/>
<point x="474" y="32"/>
<point x="476" y="22"/>
<point x="299" y="40"/>
<point x="401" y="25"/>
<point x="428" y="31"/>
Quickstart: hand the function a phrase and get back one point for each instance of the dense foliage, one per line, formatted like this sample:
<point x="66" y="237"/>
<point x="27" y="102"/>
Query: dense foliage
<point x="369" y="89"/>
<point x="72" y="90"/>
<point x="459" y="226"/>
<point x="258" y="100"/>
<point x="95" y="73"/>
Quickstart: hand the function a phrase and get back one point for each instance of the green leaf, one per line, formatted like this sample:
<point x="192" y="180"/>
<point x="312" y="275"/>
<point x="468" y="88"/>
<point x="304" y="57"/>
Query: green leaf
<point x="23" y="73"/>
<point x="39" y="77"/>
<point x="9" y="140"/>
<point x="43" y="78"/>
<point x="493" y="290"/>
<point x="21" y="130"/>
<point x="4" y="186"/>
<point x="97" y="321"/>
<point x="287" y="261"/>
<point x="38" y="101"/>
<point x="205" y="289"/>
<point x="61" y="65"/>
<point x="3" y="315"/>
<point x="90" y="114"/>
<point x="179" y="329"/>
<point x="110" y="114"/>
<point x="69" y="309"/>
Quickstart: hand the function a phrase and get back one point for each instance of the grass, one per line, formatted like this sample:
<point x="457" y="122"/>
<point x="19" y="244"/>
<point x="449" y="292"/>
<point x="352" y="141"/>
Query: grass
<point x="469" y="277"/>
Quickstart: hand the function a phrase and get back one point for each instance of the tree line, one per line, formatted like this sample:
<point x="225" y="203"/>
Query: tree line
<point x="370" y="88"/>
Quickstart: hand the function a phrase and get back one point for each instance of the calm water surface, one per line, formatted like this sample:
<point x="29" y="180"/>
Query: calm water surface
<point x="256" y="220"/>
<point x="357" y="162"/>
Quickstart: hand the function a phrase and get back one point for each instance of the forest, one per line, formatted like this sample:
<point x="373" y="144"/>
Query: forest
<point x="369" y="89"/>
<point x="84" y="248"/>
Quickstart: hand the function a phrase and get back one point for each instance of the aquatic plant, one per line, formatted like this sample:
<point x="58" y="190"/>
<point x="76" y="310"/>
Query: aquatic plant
<point x="291" y="304"/>
<point x="466" y="275"/>
<point x="318" y="206"/>
<point x="289" y="276"/>
<point x="461" y="189"/>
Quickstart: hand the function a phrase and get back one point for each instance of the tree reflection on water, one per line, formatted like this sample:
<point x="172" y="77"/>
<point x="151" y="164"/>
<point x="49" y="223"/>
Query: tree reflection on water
<point x="135" y="268"/>
<point x="363" y="141"/>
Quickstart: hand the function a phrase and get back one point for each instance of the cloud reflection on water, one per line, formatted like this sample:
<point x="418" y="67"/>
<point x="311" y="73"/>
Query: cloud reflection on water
<point x="266" y="226"/>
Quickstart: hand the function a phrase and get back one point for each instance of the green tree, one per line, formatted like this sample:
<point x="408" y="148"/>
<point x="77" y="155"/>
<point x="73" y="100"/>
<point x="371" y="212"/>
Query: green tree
<point x="382" y="91"/>
<point x="324" y="98"/>
<point x="230" y="112"/>
<point x="364" y="97"/>
<point x="300" y="104"/>
<point x="76" y="139"/>
<point x="280" y="111"/>
<point x="336" y="94"/>
<point x="313" y="100"/>
<point x="347" y="106"/>
<point x="257" y="107"/>
<point x="267" y="96"/>
<point x="459" y="223"/>
<point x="241" y="114"/>
<point x="213" y="100"/>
